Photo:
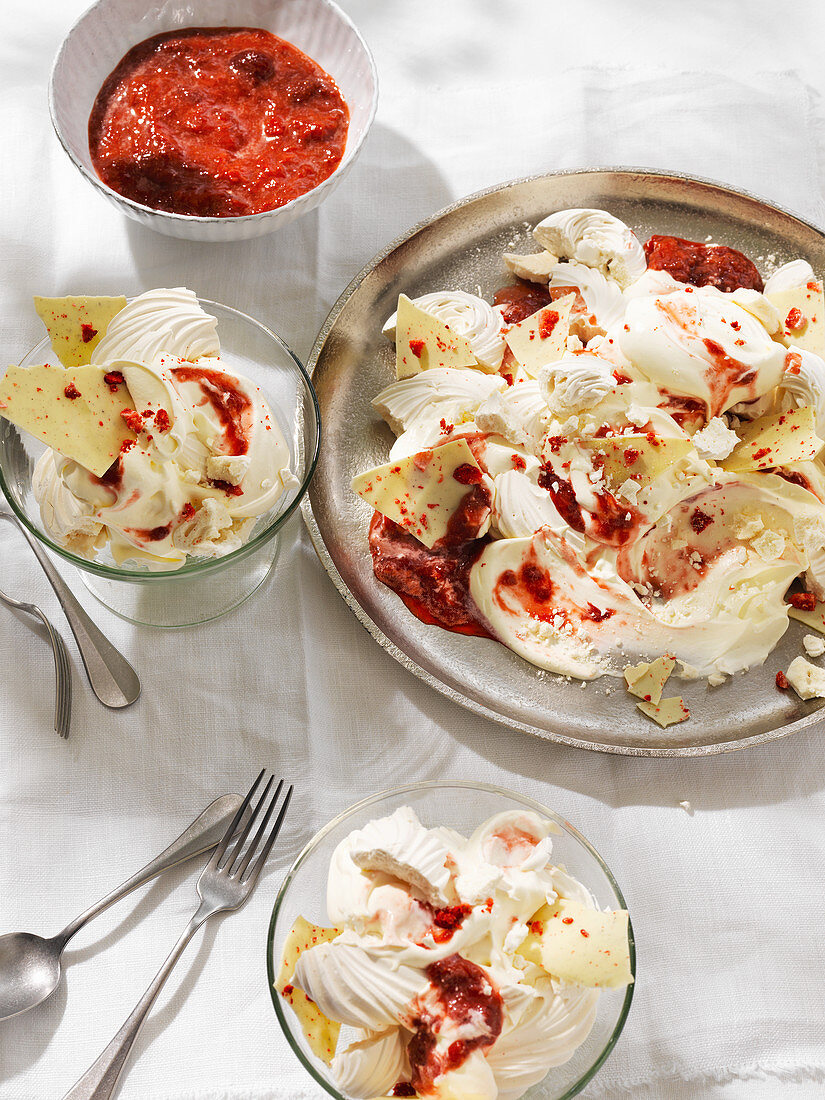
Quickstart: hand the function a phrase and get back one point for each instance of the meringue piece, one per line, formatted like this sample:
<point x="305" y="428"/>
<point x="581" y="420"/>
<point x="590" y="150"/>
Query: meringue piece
<point x="579" y="944"/>
<point x="807" y="680"/>
<point x="521" y="507"/>
<point x="536" y="267"/>
<point x="595" y="238"/>
<point x="472" y="1079"/>
<point x="541" y="338"/>
<point x="544" y="1032"/>
<point x="373" y="1065"/>
<point x="716" y="441"/>
<point x="654" y="282"/>
<point x="813" y="646"/>
<point x="777" y="440"/>
<point x="804" y="381"/>
<point x="518" y="413"/>
<point x="699" y="343"/>
<point x="758" y="306"/>
<point x="76" y="325"/>
<point x="229" y="468"/>
<point x="400" y="846"/>
<point x="604" y="303"/>
<point x="423" y="493"/>
<point x="349" y="984"/>
<point x="576" y="382"/>
<point x="157" y="323"/>
<point x="441" y="392"/>
<point x="554" y="643"/>
<point x="789" y="276"/>
<point x="422" y="342"/>
<point x="511" y="839"/>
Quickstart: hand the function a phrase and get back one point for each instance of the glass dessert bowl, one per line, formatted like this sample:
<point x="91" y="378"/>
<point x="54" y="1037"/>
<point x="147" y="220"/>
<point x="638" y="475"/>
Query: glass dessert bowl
<point x="201" y="588"/>
<point x="462" y="807"/>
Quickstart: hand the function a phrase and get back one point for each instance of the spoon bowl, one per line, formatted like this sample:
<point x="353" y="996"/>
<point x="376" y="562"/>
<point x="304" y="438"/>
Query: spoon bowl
<point x="29" y="971"/>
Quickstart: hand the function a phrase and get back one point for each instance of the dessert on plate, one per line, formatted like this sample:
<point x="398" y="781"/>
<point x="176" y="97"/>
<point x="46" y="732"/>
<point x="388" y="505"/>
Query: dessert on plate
<point x="454" y="966"/>
<point x="157" y="452"/>
<point x="614" y="466"/>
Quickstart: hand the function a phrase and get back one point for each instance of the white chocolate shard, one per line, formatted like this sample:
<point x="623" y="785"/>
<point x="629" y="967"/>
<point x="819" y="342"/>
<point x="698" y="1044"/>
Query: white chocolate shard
<point x="422" y="342"/>
<point x="668" y="712"/>
<point x="541" y="338"/>
<point x="579" y="944"/>
<point x="647" y="681"/>
<point x="423" y="492"/>
<point x="777" y="440"/>
<point x="468" y="316"/>
<point x="321" y="1032"/>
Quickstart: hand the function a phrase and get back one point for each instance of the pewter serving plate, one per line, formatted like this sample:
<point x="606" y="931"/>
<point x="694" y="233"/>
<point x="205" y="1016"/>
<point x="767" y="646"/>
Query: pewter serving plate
<point x="461" y="248"/>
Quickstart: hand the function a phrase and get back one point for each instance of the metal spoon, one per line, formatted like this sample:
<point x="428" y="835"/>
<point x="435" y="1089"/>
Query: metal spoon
<point x="113" y="679"/>
<point x="30" y="967"/>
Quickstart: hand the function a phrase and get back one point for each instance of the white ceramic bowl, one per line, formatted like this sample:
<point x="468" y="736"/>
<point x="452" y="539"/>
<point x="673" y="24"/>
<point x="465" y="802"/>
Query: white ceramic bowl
<point x="100" y="38"/>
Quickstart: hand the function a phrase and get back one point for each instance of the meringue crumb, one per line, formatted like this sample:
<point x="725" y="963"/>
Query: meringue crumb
<point x="715" y="679"/>
<point x="686" y="806"/>
<point x="813" y="646"/>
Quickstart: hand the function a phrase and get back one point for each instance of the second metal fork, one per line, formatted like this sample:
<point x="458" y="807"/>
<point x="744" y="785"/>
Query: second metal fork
<point x="62" y="668"/>
<point x="225" y="883"/>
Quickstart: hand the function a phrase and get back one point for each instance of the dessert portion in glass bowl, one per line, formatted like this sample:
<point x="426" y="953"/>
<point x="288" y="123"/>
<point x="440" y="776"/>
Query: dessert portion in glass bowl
<point x="156" y="451"/>
<point x="455" y="966"/>
<point x="616" y="461"/>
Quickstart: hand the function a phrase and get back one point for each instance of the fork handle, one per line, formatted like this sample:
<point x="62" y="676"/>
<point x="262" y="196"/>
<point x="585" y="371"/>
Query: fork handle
<point x="113" y="679"/>
<point x="100" y="1079"/>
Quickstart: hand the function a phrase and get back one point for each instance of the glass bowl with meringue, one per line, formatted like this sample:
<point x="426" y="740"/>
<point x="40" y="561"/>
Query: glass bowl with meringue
<point x="450" y="940"/>
<point x="159" y="445"/>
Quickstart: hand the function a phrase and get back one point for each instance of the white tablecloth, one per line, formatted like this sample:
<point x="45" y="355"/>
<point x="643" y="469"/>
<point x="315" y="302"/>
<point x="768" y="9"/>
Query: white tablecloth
<point x="727" y="900"/>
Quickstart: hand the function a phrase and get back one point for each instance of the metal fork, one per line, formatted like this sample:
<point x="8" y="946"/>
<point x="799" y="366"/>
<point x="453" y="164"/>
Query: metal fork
<point x="62" y="668"/>
<point x="225" y="883"/>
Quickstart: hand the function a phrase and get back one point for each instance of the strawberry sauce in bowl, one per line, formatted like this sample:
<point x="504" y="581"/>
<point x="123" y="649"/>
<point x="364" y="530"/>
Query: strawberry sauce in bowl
<point x="217" y="122"/>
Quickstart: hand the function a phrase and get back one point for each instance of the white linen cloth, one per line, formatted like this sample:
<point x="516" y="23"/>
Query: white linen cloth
<point x="726" y="899"/>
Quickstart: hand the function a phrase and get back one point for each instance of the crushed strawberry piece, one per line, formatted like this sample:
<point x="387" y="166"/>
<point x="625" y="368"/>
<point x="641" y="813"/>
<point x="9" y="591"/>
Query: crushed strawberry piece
<point x="71" y="391"/>
<point x="782" y="681"/>
<point x="795" y="320"/>
<point x="162" y="421"/>
<point x="133" y="420"/>
<point x="467" y="474"/>
<point x="417" y="348"/>
<point x="113" y="379"/>
<point x="803" y="601"/>
<point x="547" y="323"/>
<point x="87" y="333"/>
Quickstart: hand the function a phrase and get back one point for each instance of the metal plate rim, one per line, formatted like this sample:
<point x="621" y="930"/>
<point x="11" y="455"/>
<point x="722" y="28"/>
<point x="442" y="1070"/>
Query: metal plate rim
<point x="386" y="643"/>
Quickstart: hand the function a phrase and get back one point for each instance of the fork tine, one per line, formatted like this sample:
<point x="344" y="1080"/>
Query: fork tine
<point x="253" y="846"/>
<point x="237" y="847"/>
<point x="257" y="866"/>
<point x="220" y="851"/>
<point x="66" y="691"/>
